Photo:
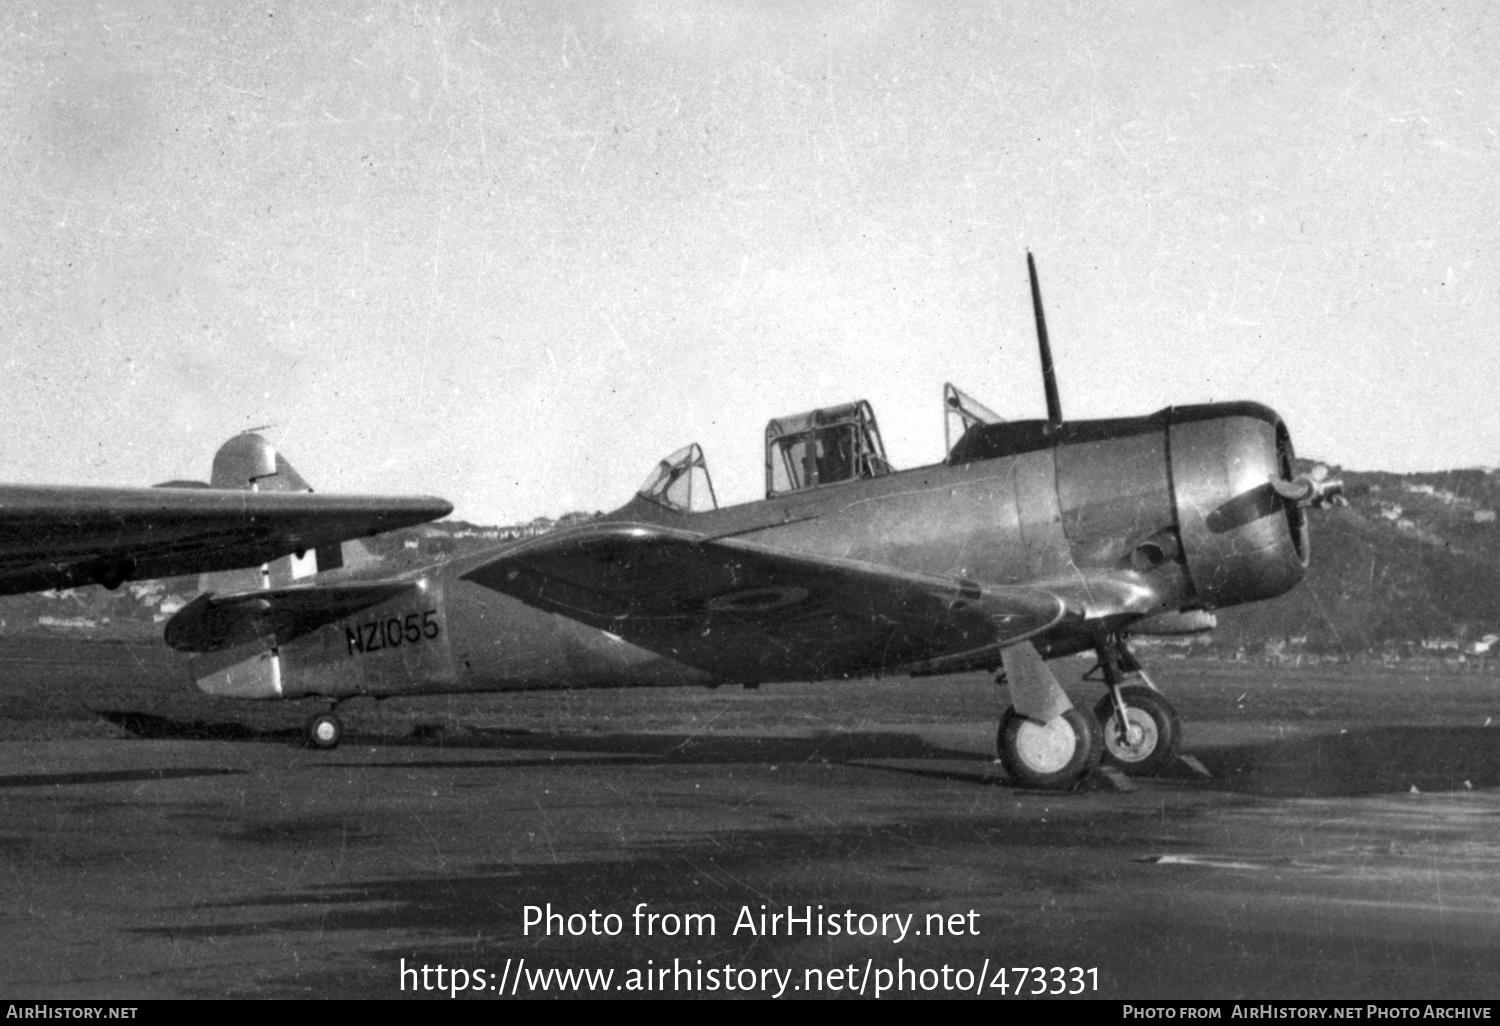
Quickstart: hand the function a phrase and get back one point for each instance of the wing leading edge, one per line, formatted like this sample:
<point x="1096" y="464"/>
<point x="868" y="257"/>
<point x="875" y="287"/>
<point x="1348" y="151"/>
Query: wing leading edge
<point x="55" y="537"/>
<point x="748" y="613"/>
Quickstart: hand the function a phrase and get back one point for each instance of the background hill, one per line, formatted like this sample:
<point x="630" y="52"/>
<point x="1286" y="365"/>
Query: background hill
<point x="1410" y="568"/>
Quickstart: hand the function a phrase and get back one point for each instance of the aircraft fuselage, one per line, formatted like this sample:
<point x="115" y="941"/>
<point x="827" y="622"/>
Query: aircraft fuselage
<point x="1177" y="505"/>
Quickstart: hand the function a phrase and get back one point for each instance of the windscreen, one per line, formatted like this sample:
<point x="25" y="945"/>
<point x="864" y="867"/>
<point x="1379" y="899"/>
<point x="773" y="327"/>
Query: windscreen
<point x="681" y="482"/>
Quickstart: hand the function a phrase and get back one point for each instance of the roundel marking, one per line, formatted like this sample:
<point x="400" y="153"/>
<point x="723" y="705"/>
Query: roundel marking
<point x="755" y="600"/>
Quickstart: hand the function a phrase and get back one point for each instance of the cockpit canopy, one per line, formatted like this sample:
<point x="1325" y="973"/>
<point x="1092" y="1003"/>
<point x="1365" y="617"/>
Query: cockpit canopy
<point x="681" y="483"/>
<point x="824" y="447"/>
<point x="964" y="421"/>
<point x="809" y="450"/>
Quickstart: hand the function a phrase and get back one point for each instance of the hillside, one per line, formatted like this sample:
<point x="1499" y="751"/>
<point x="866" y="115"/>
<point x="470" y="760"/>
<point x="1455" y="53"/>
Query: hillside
<point x="1410" y="567"/>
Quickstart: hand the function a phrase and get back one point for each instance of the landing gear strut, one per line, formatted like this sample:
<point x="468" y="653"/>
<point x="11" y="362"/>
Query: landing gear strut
<point x="1141" y="730"/>
<point x="324" y="730"/>
<point x="1045" y="741"/>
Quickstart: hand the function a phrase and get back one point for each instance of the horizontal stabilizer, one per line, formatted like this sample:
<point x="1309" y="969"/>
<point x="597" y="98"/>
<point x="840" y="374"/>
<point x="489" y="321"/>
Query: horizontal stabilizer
<point x="213" y="622"/>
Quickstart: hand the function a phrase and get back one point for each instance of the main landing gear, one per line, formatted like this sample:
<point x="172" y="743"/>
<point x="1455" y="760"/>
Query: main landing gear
<point x="1045" y="741"/>
<point x="1052" y="755"/>
<point x="324" y="730"/>
<point x="1141" y="730"/>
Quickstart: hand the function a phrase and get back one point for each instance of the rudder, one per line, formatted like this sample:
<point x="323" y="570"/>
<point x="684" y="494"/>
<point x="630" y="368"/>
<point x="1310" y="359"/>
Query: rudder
<point x="248" y="462"/>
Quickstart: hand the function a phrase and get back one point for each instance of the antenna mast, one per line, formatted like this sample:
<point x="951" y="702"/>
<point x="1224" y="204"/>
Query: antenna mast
<point x="1049" y="373"/>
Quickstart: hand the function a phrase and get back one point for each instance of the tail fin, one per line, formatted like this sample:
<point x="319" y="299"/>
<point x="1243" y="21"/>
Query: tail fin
<point x="235" y="639"/>
<point x="247" y="462"/>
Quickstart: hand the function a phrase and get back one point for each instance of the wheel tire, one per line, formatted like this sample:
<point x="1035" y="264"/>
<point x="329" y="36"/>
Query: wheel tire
<point x="1161" y="732"/>
<point x="1049" y="755"/>
<point x="324" y="731"/>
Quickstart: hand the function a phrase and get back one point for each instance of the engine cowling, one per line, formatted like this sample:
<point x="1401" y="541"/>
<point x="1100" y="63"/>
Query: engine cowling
<point x="1241" y="538"/>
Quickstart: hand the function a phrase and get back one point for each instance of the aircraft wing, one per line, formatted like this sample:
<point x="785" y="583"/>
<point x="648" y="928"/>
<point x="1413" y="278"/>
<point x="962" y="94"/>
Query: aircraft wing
<point x="56" y="537"/>
<point x="749" y="613"/>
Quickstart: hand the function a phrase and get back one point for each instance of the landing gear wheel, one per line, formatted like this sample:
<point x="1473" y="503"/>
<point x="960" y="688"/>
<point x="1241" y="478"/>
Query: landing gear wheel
<point x="1147" y="743"/>
<point x="1049" y="755"/>
<point x="324" y="731"/>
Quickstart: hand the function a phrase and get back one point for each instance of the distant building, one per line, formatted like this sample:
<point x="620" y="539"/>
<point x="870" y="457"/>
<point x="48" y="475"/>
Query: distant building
<point x="168" y="608"/>
<point x="146" y="592"/>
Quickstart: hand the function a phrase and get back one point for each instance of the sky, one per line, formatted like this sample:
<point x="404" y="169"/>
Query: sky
<point x="513" y="254"/>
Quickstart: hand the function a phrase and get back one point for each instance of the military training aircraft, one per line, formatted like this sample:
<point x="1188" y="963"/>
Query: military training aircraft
<point x="1032" y="540"/>
<point x="64" y="537"/>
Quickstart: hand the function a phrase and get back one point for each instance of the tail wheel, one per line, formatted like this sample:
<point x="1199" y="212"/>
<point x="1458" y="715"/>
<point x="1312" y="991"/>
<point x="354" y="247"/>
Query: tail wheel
<point x="1147" y="742"/>
<point x="1049" y="755"/>
<point x="324" y="731"/>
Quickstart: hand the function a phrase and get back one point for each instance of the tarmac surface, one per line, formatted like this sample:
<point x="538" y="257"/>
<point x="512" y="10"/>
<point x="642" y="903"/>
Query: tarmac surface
<point x="1344" y="842"/>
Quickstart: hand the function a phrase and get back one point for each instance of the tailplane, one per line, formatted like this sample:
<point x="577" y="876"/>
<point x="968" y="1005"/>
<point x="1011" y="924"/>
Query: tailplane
<point x="236" y="629"/>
